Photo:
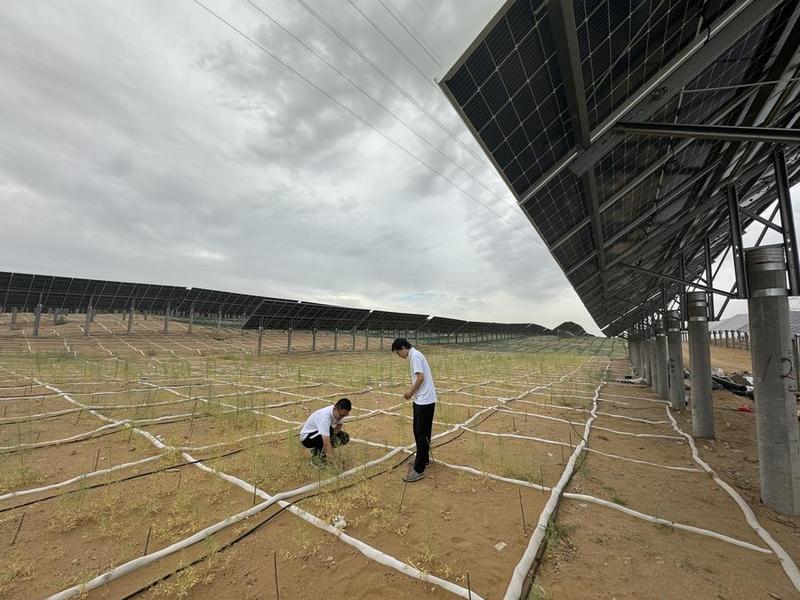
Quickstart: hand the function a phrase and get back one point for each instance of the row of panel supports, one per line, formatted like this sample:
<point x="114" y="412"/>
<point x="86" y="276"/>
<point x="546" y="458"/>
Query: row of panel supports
<point x="655" y="351"/>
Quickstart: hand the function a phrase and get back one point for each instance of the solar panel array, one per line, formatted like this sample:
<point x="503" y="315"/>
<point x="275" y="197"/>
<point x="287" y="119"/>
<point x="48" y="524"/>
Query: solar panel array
<point x="66" y="294"/>
<point x="543" y="85"/>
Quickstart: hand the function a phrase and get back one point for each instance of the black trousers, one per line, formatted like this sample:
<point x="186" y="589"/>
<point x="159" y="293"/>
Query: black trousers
<point x="423" y="425"/>
<point x="314" y="441"/>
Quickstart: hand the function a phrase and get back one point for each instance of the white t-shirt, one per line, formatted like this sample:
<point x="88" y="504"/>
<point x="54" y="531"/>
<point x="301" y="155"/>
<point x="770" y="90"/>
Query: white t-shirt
<point x="321" y="420"/>
<point x="426" y="394"/>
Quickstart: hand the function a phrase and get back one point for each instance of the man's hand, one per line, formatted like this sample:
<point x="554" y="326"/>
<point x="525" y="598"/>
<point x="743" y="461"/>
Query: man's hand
<point x="408" y="395"/>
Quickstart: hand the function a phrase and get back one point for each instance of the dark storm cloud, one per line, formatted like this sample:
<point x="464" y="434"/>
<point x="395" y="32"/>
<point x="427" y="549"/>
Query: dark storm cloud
<point x="147" y="141"/>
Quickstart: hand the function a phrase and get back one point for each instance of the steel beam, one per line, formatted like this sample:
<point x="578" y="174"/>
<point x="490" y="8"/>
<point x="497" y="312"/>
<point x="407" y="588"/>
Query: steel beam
<point x="736" y="241"/>
<point x="713" y="132"/>
<point x="687" y="64"/>
<point x="787" y="220"/>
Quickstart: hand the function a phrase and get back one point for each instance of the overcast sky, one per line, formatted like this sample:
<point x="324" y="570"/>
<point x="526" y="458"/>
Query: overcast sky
<point x="147" y="141"/>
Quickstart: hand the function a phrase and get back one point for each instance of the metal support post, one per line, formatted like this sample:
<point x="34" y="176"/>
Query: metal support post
<point x="652" y="370"/>
<point x="166" y="318"/>
<point x="737" y="248"/>
<point x="662" y="379"/>
<point x="725" y="333"/>
<point x="260" y="340"/>
<point x="787" y="222"/>
<point x="130" y="319"/>
<point x="55" y="316"/>
<point x="191" y="317"/>
<point x="700" y="366"/>
<point x="37" y="317"/>
<point x="335" y="339"/>
<point x="219" y="320"/>
<point x="88" y="322"/>
<point x="746" y="341"/>
<point x="314" y="339"/>
<point x="416" y="337"/>
<point x="289" y="341"/>
<point x="675" y="366"/>
<point x="366" y="338"/>
<point x="354" y="339"/>
<point x="773" y="380"/>
<point x="14" y="312"/>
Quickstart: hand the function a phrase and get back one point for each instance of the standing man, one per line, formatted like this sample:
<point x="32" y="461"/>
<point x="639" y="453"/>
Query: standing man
<point x="424" y="394"/>
<point x="322" y="431"/>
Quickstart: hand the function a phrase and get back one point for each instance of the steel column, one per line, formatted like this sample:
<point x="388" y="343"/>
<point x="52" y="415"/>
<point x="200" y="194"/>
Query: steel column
<point x="662" y="378"/>
<point x="700" y="365"/>
<point x="37" y="318"/>
<point x="774" y="380"/>
<point x="130" y="319"/>
<point x="787" y="220"/>
<point x="675" y="366"/>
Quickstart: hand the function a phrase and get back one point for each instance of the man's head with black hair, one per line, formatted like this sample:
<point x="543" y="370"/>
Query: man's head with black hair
<point x="401" y="346"/>
<point x="342" y="408"/>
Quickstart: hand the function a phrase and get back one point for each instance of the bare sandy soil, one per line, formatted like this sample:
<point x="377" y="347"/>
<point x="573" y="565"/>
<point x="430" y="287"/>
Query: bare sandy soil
<point x="524" y="402"/>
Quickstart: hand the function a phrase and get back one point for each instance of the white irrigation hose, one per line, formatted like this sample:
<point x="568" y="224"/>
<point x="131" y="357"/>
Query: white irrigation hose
<point x="364" y="548"/>
<point x="79" y="436"/>
<point x="81" y="477"/>
<point x="673" y="524"/>
<point x="144" y="560"/>
<point x="514" y="589"/>
<point x="607" y="504"/>
<point x="789" y="567"/>
<point x="557" y="443"/>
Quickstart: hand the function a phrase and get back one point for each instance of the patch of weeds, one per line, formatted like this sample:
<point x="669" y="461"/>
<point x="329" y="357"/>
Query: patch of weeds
<point x="536" y="593"/>
<point x="617" y="500"/>
<point x="203" y="573"/>
<point x="13" y="572"/>
<point x="18" y="478"/>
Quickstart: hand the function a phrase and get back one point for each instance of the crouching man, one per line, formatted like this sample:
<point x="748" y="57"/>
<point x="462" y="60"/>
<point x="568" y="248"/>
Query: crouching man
<point x="322" y="431"/>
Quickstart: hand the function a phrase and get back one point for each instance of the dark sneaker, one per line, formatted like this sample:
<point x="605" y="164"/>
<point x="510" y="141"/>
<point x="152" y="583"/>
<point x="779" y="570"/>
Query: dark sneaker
<point x="413" y="476"/>
<point x="318" y="461"/>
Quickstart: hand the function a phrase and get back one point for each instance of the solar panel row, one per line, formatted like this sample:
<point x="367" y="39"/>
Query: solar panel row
<point x="66" y="294"/>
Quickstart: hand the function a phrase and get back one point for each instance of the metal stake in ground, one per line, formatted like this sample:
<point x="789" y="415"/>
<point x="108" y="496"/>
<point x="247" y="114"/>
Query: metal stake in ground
<point x="96" y="459"/>
<point x="275" y="567"/>
<point x="469" y="587"/>
<point x="522" y="510"/>
<point x="402" y="497"/>
<point x="147" y="541"/>
<point x="19" y="526"/>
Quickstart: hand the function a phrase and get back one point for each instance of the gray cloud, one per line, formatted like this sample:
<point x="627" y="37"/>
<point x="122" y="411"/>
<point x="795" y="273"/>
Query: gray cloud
<point x="149" y="142"/>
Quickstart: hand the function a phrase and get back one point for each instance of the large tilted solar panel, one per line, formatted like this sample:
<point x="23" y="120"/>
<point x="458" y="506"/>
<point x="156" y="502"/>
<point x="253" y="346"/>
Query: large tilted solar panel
<point x="444" y="325"/>
<point x="543" y="85"/>
<point x="25" y="291"/>
<point x="213" y="301"/>
<point x="379" y="319"/>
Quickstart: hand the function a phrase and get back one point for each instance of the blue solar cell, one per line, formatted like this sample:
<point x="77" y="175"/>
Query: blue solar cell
<point x="524" y="102"/>
<point x="520" y="19"/>
<point x="512" y="73"/>
<point x="480" y="63"/>
<point x="494" y="92"/>
<point x="500" y="42"/>
<point x="507" y="119"/>
<point x="462" y="86"/>
<point x="491" y="135"/>
<point x="518" y="140"/>
<point x="477" y="111"/>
